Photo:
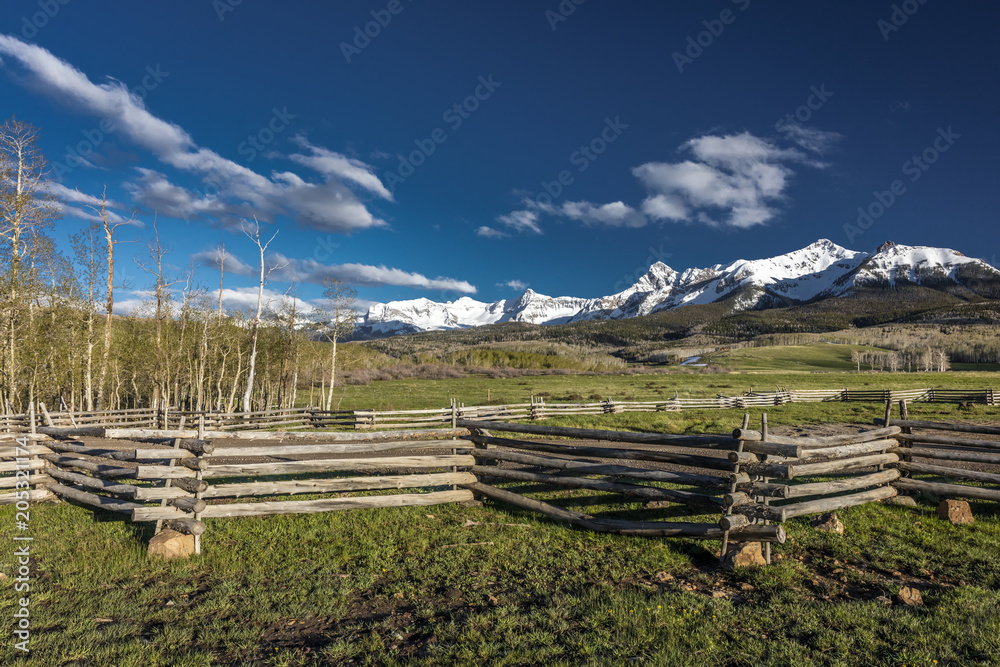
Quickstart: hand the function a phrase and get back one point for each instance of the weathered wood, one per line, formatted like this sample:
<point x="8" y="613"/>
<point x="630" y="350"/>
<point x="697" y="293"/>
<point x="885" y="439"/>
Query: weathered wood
<point x="953" y="490"/>
<point x="127" y="490"/>
<point x="163" y="472"/>
<point x="760" y="511"/>
<point x="946" y="471"/>
<point x="190" y="505"/>
<point x="280" y="488"/>
<point x="921" y="439"/>
<point x="748" y="458"/>
<point x="187" y="525"/>
<point x="31" y="464"/>
<point x="332" y="448"/>
<point x="609" y="453"/>
<point x="637" y="490"/>
<point x="734" y="498"/>
<point x="98" y="468"/>
<point x="771" y="448"/>
<point x="114" y="454"/>
<point x="577" y="466"/>
<point x="190" y="485"/>
<point x="698" y="441"/>
<point x="839" y="465"/>
<point x="35" y="478"/>
<point x="308" y="506"/>
<point x="733" y="522"/>
<point x="945" y="426"/>
<point x="288" y="467"/>
<point x="948" y="455"/>
<point x="819" y="441"/>
<point x="34" y="495"/>
<point x="22" y="452"/>
<point x="838" y="502"/>
<point x="835" y="486"/>
<point x="162" y="453"/>
<point x="161" y="492"/>
<point x="195" y="464"/>
<point x="373" y="436"/>
<point x="848" y="451"/>
<point x="639" y="528"/>
<point x="73" y="431"/>
<point x="93" y="499"/>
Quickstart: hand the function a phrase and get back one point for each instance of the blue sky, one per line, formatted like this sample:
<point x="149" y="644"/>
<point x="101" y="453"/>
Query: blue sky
<point x="454" y="149"/>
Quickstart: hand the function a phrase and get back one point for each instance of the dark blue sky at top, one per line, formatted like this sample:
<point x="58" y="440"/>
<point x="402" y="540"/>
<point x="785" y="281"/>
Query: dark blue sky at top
<point x="889" y="96"/>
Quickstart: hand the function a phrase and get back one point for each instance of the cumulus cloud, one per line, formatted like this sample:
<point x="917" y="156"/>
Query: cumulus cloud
<point x="514" y="285"/>
<point x="231" y="188"/>
<point x="616" y="214"/>
<point x="740" y="177"/>
<point x="232" y="264"/>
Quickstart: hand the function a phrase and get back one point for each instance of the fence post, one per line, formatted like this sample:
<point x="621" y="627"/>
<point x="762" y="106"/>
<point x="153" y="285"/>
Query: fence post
<point x="31" y="417"/>
<point x="907" y="444"/>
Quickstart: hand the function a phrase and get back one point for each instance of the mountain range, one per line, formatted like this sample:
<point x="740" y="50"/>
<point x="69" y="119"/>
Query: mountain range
<point x="819" y="271"/>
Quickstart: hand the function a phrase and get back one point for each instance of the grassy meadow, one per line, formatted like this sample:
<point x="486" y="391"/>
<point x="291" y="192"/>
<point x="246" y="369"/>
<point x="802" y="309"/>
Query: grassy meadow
<point x="492" y="585"/>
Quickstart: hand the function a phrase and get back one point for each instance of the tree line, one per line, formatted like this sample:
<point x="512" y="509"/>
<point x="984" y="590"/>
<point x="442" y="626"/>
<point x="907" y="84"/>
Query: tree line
<point x="64" y="344"/>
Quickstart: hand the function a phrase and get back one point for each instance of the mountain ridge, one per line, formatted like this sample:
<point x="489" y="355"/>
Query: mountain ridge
<point x="820" y="270"/>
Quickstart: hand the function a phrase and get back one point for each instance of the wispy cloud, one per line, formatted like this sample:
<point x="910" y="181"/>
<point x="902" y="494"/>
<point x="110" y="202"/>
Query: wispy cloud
<point x="516" y="285"/>
<point x="525" y="220"/>
<point x="810" y="138"/>
<point x="330" y="206"/>
<point x="490" y="233"/>
<point x="361" y="275"/>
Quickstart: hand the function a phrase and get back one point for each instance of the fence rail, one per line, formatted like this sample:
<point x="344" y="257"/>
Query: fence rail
<point x="306" y="418"/>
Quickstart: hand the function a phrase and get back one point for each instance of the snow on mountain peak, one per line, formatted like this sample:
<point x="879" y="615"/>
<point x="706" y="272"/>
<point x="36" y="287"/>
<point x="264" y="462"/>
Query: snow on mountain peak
<point x="821" y="269"/>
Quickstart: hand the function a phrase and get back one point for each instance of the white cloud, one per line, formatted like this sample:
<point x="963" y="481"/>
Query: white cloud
<point x="333" y="164"/>
<point x="233" y="264"/>
<point x="490" y="233"/>
<point x="741" y="176"/>
<point x="330" y="206"/>
<point x="616" y="214"/>
<point x="361" y="275"/>
<point x="525" y="220"/>
<point x="514" y="285"/>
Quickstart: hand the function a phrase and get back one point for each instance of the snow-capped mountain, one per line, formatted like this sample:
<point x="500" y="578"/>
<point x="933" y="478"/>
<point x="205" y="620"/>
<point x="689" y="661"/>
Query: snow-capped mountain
<point x="820" y="270"/>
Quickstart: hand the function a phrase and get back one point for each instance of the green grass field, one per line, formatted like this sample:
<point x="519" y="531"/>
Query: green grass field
<point x="459" y="586"/>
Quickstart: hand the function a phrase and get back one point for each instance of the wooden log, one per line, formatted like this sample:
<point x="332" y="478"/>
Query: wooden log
<point x="289" y="467"/>
<point x="127" y="490"/>
<point x="375" y="436"/>
<point x="946" y="426"/>
<point x="114" y="454"/>
<point x="771" y="448"/>
<point x="73" y="432"/>
<point x="23" y="452"/>
<point x="839" y="465"/>
<point x="748" y="458"/>
<point x="838" y="502"/>
<point x="292" y="487"/>
<point x="331" y="448"/>
<point x="848" y="451"/>
<point x="195" y="464"/>
<point x="190" y="485"/>
<point x="186" y="448"/>
<point x="28" y="464"/>
<point x="734" y="498"/>
<point x="190" y="505"/>
<point x="946" y="471"/>
<point x="609" y="453"/>
<point x="760" y="511"/>
<point x="762" y="489"/>
<point x="161" y="492"/>
<point x="34" y="479"/>
<point x="953" y="490"/>
<point x="921" y="439"/>
<point x="163" y="472"/>
<point x="639" y="528"/>
<point x="94" y="500"/>
<point x="733" y="522"/>
<point x="823" y="441"/>
<point x="97" y="468"/>
<point x="308" y="506"/>
<point x="33" y="496"/>
<point x="637" y="490"/>
<point x="835" y="486"/>
<point x="577" y="466"/>
<point x="948" y="455"/>
<point x="698" y="441"/>
<point x="187" y="525"/>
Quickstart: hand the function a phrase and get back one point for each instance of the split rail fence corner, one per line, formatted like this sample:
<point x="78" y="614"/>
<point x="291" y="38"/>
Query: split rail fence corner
<point x="734" y="487"/>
